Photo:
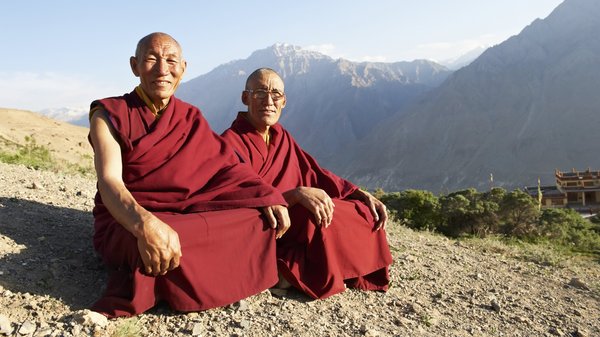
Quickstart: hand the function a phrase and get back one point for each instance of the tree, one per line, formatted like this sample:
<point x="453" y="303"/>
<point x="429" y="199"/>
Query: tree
<point x="519" y="214"/>
<point x="414" y="208"/>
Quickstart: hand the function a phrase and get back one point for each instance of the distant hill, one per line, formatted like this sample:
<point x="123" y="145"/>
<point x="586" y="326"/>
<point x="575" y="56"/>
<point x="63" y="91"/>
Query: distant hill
<point x="522" y="109"/>
<point x="465" y="59"/>
<point x="330" y="102"/>
<point x="65" y="141"/>
<point x="73" y="115"/>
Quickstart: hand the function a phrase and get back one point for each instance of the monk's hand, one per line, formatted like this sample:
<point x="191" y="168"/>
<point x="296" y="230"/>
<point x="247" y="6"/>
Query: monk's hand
<point x="278" y="218"/>
<point x="377" y="208"/>
<point x="159" y="247"/>
<point x="318" y="202"/>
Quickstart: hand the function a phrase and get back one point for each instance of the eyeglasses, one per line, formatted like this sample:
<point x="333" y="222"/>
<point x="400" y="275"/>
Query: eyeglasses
<point x="276" y="95"/>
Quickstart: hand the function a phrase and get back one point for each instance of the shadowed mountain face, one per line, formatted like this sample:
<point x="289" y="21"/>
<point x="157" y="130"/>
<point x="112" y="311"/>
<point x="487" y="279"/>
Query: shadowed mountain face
<point x="522" y="109"/>
<point x="330" y="102"/>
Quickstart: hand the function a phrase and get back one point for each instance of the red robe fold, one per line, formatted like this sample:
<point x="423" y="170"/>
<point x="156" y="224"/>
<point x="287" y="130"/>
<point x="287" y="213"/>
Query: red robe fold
<point x="317" y="260"/>
<point x="182" y="172"/>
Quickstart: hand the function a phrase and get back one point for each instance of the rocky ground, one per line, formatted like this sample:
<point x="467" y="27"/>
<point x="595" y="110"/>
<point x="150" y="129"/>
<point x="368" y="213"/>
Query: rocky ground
<point x="49" y="275"/>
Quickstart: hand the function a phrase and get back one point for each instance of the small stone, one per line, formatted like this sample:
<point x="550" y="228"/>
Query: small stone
<point x="364" y="329"/>
<point x="372" y="333"/>
<point x="520" y="319"/>
<point x="34" y="186"/>
<point x="43" y="332"/>
<point x="244" y="323"/>
<point x="556" y="331"/>
<point x="278" y="292"/>
<point x="241" y="305"/>
<point x="76" y="331"/>
<point x="5" y="325"/>
<point x="90" y="318"/>
<point x="580" y="333"/>
<point x="577" y="283"/>
<point x="27" y="328"/>
<point x="495" y="305"/>
<point x="197" y="329"/>
<point x="415" y="307"/>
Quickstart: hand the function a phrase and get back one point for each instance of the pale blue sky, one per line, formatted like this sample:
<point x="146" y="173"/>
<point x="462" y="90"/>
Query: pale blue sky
<point x="66" y="53"/>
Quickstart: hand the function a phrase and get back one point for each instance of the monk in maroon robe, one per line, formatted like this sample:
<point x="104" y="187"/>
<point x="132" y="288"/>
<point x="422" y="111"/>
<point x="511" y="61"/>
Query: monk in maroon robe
<point x="337" y="236"/>
<point x="175" y="215"/>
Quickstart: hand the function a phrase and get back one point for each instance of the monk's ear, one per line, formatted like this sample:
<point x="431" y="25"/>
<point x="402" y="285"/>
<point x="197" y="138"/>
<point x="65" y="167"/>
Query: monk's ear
<point x="284" y="101"/>
<point x="133" y="64"/>
<point x="245" y="97"/>
<point x="183" y="66"/>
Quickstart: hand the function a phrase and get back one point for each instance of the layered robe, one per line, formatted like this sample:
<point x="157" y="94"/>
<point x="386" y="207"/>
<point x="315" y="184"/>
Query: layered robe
<point x="176" y="167"/>
<point x="319" y="261"/>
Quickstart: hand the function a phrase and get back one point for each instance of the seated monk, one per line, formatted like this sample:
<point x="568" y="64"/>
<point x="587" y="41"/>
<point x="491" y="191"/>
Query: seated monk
<point x="176" y="215"/>
<point x="337" y="235"/>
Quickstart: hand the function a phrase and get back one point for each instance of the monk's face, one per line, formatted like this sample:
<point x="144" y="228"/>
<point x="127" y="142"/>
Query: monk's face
<point x="160" y="66"/>
<point x="264" y="110"/>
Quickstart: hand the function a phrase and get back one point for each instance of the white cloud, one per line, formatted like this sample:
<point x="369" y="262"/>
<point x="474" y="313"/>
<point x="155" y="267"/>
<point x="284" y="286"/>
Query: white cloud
<point x="330" y="50"/>
<point x="326" y="48"/>
<point x="447" y="50"/>
<point x="368" y="58"/>
<point x="37" y="91"/>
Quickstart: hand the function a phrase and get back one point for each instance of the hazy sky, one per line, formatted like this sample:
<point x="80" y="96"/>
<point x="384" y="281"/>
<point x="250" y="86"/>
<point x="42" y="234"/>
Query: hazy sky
<point x="66" y="53"/>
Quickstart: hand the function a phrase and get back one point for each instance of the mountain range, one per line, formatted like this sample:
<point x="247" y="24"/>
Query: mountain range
<point x="330" y="102"/>
<point x="524" y="108"/>
<point x="520" y="110"/>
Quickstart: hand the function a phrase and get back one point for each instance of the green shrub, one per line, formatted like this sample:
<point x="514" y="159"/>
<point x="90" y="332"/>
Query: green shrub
<point x="513" y="216"/>
<point x="39" y="157"/>
<point x="415" y="209"/>
<point x="31" y="155"/>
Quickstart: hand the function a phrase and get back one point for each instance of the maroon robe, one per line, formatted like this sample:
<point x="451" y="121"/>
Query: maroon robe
<point x="317" y="260"/>
<point x="184" y="173"/>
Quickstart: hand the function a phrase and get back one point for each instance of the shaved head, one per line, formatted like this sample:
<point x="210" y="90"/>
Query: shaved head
<point x="258" y="73"/>
<point x="145" y="42"/>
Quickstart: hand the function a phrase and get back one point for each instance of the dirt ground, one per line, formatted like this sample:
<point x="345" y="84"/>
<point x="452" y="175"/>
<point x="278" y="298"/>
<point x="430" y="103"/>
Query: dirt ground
<point x="49" y="275"/>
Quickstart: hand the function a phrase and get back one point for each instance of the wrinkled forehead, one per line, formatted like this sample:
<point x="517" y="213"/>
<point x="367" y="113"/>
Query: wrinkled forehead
<point x="267" y="80"/>
<point x="161" y="45"/>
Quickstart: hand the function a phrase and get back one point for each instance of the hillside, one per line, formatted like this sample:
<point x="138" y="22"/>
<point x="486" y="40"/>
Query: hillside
<point x="65" y="141"/>
<point x="524" y="108"/>
<point x="49" y="274"/>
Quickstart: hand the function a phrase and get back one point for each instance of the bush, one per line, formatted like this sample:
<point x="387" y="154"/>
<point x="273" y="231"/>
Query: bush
<point x="470" y="212"/>
<point x="565" y="227"/>
<point x="514" y="215"/>
<point x="415" y="209"/>
<point x="30" y="155"/>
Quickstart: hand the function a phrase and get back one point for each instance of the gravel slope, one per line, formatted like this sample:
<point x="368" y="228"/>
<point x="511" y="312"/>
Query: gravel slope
<point x="49" y="275"/>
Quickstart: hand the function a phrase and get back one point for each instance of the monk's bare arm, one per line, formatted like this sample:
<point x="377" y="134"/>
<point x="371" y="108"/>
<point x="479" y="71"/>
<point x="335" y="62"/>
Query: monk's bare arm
<point x="378" y="209"/>
<point x="158" y="243"/>
<point x="316" y="200"/>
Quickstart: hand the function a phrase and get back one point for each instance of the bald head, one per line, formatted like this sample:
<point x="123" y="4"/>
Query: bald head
<point x="261" y="73"/>
<point x="146" y="41"/>
<point x="159" y="65"/>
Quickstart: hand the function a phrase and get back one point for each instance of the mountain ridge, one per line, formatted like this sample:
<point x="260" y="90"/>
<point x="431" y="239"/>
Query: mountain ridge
<point x="510" y="113"/>
<point x="326" y="98"/>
